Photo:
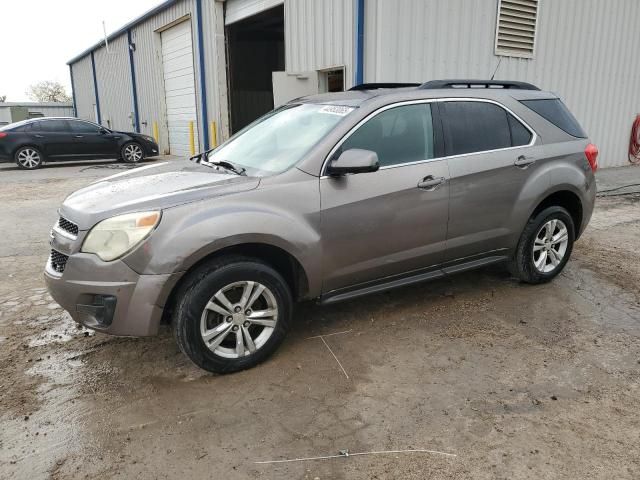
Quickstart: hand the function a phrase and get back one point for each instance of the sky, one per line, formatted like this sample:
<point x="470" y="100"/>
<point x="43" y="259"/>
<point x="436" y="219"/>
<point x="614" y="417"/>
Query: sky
<point x="39" y="37"/>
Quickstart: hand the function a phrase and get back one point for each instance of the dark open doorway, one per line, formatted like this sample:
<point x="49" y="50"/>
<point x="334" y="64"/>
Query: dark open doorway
<point x="255" y="49"/>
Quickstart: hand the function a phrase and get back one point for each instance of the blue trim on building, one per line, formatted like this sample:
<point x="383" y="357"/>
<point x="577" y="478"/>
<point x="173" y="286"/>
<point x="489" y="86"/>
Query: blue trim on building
<point x="73" y="92"/>
<point x="95" y="89"/>
<point x="359" y="70"/>
<point x="134" y="88"/>
<point x="203" y="88"/>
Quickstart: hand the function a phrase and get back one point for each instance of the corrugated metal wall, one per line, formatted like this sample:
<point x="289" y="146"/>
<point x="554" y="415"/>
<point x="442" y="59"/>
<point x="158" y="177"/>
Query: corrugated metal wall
<point x="114" y="80"/>
<point x="83" y="87"/>
<point x="586" y="51"/>
<point x="114" y="85"/>
<point x="319" y="34"/>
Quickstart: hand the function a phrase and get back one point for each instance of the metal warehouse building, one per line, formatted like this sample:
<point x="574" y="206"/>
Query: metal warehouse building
<point x="199" y="70"/>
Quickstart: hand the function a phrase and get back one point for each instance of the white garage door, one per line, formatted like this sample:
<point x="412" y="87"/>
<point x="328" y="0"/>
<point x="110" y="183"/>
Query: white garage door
<point x="179" y="85"/>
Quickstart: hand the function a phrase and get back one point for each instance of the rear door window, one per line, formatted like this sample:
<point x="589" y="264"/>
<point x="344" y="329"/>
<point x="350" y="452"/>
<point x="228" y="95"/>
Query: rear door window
<point x="472" y="127"/>
<point x="83" y="127"/>
<point x="398" y="135"/>
<point x="475" y="127"/>
<point x="557" y="113"/>
<point x="54" y="126"/>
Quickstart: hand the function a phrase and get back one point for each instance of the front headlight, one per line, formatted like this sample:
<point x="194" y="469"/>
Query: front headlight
<point x="115" y="236"/>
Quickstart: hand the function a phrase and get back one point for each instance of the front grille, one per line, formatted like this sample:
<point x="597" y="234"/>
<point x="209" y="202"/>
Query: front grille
<point x="67" y="226"/>
<point x="58" y="261"/>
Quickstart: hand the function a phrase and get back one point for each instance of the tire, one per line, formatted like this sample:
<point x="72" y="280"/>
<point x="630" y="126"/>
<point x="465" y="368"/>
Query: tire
<point x="528" y="264"/>
<point x="199" y="313"/>
<point x="131" y="152"/>
<point x="28" y="158"/>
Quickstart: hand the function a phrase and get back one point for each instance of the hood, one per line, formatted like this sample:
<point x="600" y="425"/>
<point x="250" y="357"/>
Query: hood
<point x="152" y="187"/>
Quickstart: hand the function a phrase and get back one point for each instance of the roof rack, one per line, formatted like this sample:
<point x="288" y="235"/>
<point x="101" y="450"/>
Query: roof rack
<point x="436" y="84"/>
<point x="376" y="86"/>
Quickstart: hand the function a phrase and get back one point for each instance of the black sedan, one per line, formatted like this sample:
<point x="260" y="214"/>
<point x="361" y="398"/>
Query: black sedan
<point x="31" y="142"/>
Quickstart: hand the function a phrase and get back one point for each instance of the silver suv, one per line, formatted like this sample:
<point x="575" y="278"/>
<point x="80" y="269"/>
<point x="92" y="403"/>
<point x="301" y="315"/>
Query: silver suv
<point x="329" y="197"/>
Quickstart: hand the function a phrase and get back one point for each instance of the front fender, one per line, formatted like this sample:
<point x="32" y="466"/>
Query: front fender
<point x="189" y="233"/>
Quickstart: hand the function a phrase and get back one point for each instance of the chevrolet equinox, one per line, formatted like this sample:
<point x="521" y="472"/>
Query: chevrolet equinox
<point x="328" y="197"/>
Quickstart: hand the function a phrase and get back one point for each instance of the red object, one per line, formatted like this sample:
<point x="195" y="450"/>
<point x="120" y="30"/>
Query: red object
<point x="3" y="134"/>
<point x="634" y="142"/>
<point x="591" y="153"/>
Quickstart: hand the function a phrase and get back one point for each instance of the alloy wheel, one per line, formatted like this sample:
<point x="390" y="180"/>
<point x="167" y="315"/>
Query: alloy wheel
<point x="29" y="158"/>
<point x="133" y="153"/>
<point x="239" y="319"/>
<point x="550" y="245"/>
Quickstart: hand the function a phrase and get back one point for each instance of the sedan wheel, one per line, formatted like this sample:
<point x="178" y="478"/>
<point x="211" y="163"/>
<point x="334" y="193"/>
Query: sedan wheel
<point x="132" y="153"/>
<point x="28" y="158"/>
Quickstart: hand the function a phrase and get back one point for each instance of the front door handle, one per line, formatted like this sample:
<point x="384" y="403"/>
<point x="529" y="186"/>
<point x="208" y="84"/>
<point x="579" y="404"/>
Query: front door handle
<point x="79" y="136"/>
<point x="430" y="182"/>
<point x="39" y="136"/>
<point x="524" y="161"/>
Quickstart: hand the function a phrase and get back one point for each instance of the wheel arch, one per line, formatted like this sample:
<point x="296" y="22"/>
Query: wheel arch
<point x="567" y="199"/>
<point x="276" y="257"/>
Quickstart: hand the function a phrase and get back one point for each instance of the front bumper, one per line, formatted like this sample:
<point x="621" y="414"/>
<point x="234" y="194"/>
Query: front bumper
<point x="109" y="296"/>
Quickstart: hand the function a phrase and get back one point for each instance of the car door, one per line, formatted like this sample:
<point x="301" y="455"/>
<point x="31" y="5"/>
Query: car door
<point x="392" y="221"/>
<point x="56" y="138"/>
<point x="491" y="156"/>
<point x="93" y="141"/>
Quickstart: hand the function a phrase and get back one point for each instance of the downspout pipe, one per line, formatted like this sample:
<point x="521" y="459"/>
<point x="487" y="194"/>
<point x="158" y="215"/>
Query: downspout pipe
<point x="203" y="87"/>
<point x="134" y="88"/>
<point x="359" y="70"/>
<point x="73" y="92"/>
<point x="95" y="88"/>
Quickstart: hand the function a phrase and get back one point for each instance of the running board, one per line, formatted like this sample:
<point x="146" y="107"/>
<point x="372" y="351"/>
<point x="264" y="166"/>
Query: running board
<point x="336" y="296"/>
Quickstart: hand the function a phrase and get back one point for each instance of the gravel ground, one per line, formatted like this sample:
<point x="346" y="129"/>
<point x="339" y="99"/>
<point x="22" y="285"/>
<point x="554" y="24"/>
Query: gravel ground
<point x="516" y="381"/>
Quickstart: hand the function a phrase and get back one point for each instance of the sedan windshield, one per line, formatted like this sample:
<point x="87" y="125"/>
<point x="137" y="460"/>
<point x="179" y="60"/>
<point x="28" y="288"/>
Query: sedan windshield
<point x="280" y="139"/>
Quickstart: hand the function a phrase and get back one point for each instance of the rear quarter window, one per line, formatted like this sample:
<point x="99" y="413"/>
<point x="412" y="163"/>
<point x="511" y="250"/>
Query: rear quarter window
<point x="557" y="113"/>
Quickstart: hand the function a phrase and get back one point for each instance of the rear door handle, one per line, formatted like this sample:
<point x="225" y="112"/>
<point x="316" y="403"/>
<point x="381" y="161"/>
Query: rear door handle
<point x="79" y="136"/>
<point x="524" y="161"/>
<point x="430" y="182"/>
<point x="39" y="136"/>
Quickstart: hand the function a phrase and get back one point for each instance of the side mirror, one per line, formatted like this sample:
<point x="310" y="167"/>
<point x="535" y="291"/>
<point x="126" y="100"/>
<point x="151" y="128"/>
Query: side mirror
<point x="104" y="131"/>
<point x="354" y="161"/>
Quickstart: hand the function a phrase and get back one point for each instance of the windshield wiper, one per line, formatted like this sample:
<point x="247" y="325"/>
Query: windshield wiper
<point x="228" y="166"/>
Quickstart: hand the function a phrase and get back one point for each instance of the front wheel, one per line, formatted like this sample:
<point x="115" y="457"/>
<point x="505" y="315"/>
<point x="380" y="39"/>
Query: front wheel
<point x="28" y="158"/>
<point x="132" y="152"/>
<point x="545" y="246"/>
<point x="231" y="314"/>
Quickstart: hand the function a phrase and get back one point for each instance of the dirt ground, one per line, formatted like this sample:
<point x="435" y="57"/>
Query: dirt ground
<point x="516" y="381"/>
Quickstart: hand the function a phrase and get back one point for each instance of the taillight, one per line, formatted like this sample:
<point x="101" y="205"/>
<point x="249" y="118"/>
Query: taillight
<point x="591" y="152"/>
<point x="3" y="134"/>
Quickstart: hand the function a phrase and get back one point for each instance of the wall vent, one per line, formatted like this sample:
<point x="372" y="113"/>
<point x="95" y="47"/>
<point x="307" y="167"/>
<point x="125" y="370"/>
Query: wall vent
<point x="516" y="28"/>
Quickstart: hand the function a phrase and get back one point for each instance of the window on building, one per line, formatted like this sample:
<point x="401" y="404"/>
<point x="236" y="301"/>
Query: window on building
<point x="398" y="135"/>
<point x="471" y="127"/>
<point x="516" y="28"/>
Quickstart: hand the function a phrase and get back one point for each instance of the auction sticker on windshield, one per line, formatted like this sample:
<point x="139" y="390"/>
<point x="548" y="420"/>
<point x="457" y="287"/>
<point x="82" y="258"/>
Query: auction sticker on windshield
<point x="336" y="110"/>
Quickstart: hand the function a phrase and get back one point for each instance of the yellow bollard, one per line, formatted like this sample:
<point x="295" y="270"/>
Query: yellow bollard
<point x="192" y="143"/>
<point x="156" y="135"/>
<point x="214" y="135"/>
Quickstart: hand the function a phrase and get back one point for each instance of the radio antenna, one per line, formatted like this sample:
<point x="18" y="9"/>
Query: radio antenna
<point x="497" y="67"/>
<point x="106" y="40"/>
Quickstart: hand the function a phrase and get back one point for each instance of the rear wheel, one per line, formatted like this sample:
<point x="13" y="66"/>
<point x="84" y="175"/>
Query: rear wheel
<point x="231" y="314"/>
<point x="545" y="246"/>
<point x="131" y="153"/>
<point x="28" y="158"/>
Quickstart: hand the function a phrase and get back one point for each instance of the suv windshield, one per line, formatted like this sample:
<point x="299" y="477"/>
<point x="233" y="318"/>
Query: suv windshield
<point x="279" y="139"/>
